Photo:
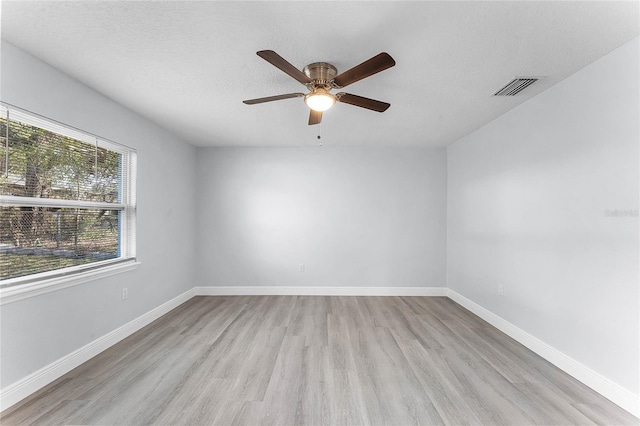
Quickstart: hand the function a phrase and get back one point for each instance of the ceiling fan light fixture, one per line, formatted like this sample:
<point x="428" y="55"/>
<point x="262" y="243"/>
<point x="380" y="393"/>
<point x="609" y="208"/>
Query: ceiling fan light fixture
<point x="320" y="100"/>
<point x="321" y="77"/>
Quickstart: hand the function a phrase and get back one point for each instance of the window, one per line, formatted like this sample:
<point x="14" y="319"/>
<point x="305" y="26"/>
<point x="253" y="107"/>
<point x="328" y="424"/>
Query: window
<point x="67" y="200"/>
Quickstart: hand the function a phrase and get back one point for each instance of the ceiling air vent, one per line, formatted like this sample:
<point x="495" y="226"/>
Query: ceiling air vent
<point x="516" y="86"/>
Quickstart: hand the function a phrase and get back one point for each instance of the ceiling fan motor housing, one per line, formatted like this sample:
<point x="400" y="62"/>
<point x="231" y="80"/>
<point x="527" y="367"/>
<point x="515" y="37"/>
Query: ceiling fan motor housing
<point x="322" y="73"/>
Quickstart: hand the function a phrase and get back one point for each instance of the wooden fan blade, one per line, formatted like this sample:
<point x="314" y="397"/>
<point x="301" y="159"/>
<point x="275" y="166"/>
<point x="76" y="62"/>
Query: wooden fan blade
<point x="361" y="102"/>
<point x="374" y="65"/>
<point x="272" y="98"/>
<point x="315" y="117"/>
<point x="279" y="62"/>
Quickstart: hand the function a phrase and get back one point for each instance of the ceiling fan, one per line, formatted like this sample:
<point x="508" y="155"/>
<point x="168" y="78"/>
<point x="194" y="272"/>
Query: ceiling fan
<point x="321" y="77"/>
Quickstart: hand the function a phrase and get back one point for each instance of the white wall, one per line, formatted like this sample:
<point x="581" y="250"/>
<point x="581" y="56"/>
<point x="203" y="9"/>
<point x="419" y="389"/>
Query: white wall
<point x="40" y="330"/>
<point x="354" y="216"/>
<point x="527" y="196"/>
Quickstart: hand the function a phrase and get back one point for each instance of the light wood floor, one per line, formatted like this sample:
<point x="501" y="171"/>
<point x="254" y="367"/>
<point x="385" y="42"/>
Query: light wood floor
<point x="284" y="360"/>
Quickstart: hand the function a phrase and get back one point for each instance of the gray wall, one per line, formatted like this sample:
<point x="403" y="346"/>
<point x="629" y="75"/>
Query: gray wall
<point x="527" y="201"/>
<point x="354" y="216"/>
<point x="40" y="330"/>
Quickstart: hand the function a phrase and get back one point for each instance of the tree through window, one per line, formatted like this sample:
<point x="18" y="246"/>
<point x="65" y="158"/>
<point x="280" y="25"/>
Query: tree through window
<point x="66" y="198"/>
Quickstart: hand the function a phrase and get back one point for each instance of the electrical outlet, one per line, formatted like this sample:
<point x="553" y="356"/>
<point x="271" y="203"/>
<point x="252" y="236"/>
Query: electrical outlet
<point x="500" y="289"/>
<point x="125" y="293"/>
<point x="301" y="267"/>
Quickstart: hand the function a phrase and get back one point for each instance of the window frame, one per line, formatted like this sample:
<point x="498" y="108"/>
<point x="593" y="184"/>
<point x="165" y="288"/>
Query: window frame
<point x="18" y="288"/>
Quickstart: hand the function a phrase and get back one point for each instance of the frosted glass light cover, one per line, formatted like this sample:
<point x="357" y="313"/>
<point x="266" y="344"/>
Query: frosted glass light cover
<point x="319" y="100"/>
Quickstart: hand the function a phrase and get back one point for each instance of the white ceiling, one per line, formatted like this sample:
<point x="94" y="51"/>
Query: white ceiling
<point x="188" y="65"/>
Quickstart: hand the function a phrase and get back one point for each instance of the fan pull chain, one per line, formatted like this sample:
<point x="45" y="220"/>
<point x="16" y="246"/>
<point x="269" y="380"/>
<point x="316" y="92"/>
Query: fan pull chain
<point x="319" y="133"/>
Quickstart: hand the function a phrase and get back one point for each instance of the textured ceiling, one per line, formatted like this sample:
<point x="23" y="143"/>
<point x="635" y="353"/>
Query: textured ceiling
<point x="188" y="65"/>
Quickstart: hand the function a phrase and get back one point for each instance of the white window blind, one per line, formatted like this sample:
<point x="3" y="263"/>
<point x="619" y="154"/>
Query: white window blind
<point x="67" y="199"/>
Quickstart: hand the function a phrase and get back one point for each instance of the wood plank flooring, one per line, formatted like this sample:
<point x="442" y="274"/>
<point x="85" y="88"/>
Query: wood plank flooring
<point x="313" y="360"/>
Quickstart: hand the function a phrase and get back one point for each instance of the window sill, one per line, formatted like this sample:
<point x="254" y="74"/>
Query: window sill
<point x="48" y="285"/>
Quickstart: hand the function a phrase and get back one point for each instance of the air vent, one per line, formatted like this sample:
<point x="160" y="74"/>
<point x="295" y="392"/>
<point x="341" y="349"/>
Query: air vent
<point x="516" y="86"/>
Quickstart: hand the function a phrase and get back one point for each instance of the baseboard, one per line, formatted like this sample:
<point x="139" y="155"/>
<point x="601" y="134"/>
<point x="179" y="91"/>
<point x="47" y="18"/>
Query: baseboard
<point x="605" y="387"/>
<point x="21" y="389"/>
<point x="320" y="291"/>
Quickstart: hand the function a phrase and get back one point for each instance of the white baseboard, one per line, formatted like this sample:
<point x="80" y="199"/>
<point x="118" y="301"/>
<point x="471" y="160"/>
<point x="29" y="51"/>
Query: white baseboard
<point x="21" y="389"/>
<point x="605" y="387"/>
<point x="320" y="291"/>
